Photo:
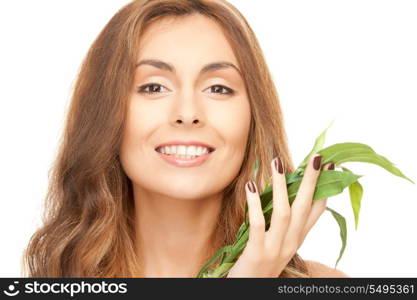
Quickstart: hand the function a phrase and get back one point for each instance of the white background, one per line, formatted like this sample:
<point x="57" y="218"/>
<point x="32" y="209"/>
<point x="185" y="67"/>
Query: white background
<point x="352" y="61"/>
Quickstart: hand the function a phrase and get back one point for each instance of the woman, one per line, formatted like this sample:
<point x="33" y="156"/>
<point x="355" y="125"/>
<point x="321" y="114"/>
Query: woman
<point x="164" y="80"/>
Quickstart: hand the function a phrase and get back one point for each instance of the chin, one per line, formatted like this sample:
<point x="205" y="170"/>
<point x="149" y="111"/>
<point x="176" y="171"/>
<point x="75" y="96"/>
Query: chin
<point x="188" y="191"/>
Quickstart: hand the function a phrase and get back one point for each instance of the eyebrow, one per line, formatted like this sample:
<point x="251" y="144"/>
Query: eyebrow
<point x="207" y="68"/>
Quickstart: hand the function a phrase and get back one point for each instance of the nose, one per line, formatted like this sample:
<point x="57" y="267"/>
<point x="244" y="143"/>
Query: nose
<point x="188" y="112"/>
<point x="193" y="120"/>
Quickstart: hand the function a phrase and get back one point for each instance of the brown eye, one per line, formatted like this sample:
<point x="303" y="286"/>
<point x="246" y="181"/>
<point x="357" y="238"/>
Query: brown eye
<point x="154" y="88"/>
<point x="220" y="88"/>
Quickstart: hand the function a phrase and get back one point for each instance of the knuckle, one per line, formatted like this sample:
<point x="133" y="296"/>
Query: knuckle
<point x="284" y="216"/>
<point x="305" y="213"/>
<point x="254" y="257"/>
<point x="255" y="260"/>
<point x="273" y="257"/>
<point x="303" y="207"/>
<point x="289" y="254"/>
<point x="312" y="180"/>
<point x="289" y="251"/>
<point x="258" y="223"/>
<point x="301" y="203"/>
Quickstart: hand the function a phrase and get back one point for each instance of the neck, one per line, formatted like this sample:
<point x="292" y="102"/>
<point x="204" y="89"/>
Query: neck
<point x="174" y="236"/>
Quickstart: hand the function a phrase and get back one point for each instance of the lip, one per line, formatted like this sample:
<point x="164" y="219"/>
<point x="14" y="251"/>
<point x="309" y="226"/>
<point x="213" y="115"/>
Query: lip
<point x="185" y="162"/>
<point x="187" y="143"/>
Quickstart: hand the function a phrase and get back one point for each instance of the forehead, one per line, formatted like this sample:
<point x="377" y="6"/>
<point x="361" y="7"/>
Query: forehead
<point x="187" y="40"/>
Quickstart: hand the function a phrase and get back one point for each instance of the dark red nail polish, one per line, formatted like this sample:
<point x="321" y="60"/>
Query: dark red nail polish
<point x="331" y="167"/>
<point x="278" y="165"/>
<point x="251" y="186"/>
<point x="316" y="162"/>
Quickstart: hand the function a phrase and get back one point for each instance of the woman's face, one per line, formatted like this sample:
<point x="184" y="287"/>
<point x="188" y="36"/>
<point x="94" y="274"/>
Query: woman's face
<point x="185" y="105"/>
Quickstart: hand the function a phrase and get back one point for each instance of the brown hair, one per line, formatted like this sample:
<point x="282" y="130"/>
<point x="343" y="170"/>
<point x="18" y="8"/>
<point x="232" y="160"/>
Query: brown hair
<point x="88" y="221"/>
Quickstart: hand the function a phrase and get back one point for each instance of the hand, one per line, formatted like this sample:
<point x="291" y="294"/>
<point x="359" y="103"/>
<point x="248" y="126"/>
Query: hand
<point x="267" y="253"/>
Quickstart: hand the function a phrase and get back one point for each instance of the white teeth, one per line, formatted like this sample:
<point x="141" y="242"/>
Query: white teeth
<point x="181" y="150"/>
<point x="191" y="150"/>
<point x="165" y="150"/>
<point x="184" y="151"/>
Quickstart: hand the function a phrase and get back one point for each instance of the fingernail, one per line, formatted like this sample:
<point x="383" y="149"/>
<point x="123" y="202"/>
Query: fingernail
<point x="278" y="165"/>
<point x="251" y="186"/>
<point x="331" y="167"/>
<point x="316" y="162"/>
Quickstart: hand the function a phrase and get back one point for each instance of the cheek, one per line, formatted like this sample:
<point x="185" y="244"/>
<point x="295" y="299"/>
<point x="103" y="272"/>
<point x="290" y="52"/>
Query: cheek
<point x="232" y="122"/>
<point x="141" y="122"/>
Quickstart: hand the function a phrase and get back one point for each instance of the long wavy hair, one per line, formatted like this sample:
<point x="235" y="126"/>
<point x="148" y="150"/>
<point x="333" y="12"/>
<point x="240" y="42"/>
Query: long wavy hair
<point x="88" y="222"/>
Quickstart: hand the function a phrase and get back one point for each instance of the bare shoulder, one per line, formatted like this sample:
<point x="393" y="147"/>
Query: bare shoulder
<point x="317" y="269"/>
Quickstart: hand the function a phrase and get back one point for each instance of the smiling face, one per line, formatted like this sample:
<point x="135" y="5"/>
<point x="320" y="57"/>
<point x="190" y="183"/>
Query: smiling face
<point x="184" y="99"/>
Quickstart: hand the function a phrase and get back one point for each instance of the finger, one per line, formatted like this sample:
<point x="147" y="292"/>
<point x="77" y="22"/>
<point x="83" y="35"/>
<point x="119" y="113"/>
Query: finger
<point x="256" y="217"/>
<point x="317" y="209"/>
<point x="281" y="211"/>
<point x="301" y="207"/>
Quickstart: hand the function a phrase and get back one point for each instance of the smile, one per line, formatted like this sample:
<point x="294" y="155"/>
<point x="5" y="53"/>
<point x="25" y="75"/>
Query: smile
<point x="182" y="161"/>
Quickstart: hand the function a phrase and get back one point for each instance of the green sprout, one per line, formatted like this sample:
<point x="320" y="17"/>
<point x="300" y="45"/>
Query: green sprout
<point x="329" y="183"/>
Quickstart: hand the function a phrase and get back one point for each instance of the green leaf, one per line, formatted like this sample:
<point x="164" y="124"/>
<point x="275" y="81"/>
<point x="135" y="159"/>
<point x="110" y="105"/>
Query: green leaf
<point x="289" y="178"/>
<point x="241" y="230"/>
<point x="357" y="152"/>
<point x="343" y="231"/>
<point x="292" y="177"/>
<point x="238" y="246"/>
<point x="268" y="183"/>
<point x="329" y="183"/>
<point x="355" y="192"/>
<point x="205" y="268"/>
<point x="318" y="145"/>
<point x="246" y="214"/>
<point x="222" y="269"/>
